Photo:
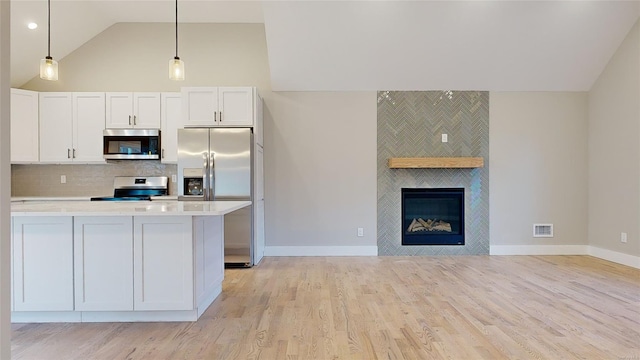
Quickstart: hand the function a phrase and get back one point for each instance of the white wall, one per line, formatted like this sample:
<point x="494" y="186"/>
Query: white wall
<point x="322" y="172"/>
<point x="320" y="148"/>
<point x="538" y="152"/>
<point x="5" y="184"/>
<point x="135" y="57"/>
<point x="614" y="150"/>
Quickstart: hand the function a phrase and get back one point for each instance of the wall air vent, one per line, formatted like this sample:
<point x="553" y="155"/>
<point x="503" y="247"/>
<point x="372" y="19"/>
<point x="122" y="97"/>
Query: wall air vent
<point x="542" y="230"/>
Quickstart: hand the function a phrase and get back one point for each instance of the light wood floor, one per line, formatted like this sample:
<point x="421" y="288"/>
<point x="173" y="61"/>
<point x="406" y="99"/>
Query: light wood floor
<point x="475" y="307"/>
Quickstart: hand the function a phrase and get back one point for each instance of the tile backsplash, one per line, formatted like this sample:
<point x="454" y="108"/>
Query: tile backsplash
<point x="83" y="180"/>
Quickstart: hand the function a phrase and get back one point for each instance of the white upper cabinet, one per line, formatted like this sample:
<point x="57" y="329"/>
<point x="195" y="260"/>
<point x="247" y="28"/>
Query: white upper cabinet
<point x="171" y="112"/>
<point x="119" y="110"/>
<point x="56" y="124"/>
<point x="146" y="110"/>
<point x="71" y="126"/>
<point x="88" y="126"/>
<point x="24" y="126"/>
<point x="200" y="106"/>
<point x="235" y="105"/>
<point x="133" y="110"/>
<point x="218" y="106"/>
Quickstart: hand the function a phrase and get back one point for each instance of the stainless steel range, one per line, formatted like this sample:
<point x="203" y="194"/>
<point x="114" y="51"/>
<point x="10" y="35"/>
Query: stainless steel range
<point x="137" y="188"/>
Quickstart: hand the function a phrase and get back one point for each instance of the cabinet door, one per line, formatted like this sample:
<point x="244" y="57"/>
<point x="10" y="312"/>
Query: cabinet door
<point x="88" y="126"/>
<point x="259" y="241"/>
<point x="103" y="263"/>
<point x="235" y="106"/>
<point x="209" y="255"/>
<point x="259" y="173"/>
<point x="43" y="263"/>
<point x="171" y="110"/>
<point x="199" y="106"/>
<point x="258" y="216"/>
<point x="56" y="124"/>
<point x="24" y="126"/>
<point x="119" y="110"/>
<point x="146" y="110"/>
<point x="163" y="263"/>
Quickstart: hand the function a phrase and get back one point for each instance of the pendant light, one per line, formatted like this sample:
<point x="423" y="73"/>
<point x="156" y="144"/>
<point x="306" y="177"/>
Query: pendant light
<point x="176" y="66"/>
<point x="48" y="66"/>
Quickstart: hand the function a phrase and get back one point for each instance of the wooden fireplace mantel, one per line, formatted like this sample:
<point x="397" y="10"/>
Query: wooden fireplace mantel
<point x="436" y="163"/>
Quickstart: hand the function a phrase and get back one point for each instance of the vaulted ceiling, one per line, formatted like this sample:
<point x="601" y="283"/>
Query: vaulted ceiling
<point x="371" y="45"/>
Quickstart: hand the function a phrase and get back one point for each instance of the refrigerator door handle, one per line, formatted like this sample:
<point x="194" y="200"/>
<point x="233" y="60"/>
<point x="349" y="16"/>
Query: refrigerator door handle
<point x="205" y="174"/>
<point x="212" y="176"/>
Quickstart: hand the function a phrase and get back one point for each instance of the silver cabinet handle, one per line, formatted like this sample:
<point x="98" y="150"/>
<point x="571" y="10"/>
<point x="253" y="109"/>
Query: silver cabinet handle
<point x="68" y="153"/>
<point x="163" y="153"/>
<point x="74" y="153"/>
<point x="129" y="119"/>
<point x="215" y="116"/>
<point x="220" y="116"/>
<point x="134" y="120"/>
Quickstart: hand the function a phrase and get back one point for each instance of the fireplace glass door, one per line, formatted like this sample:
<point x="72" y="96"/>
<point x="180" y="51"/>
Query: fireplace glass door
<point x="433" y="216"/>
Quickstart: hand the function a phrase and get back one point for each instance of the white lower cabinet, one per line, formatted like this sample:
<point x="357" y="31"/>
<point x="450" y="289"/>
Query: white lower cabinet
<point x="208" y="235"/>
<point x="103" y="263"/>
<point x="259" y="232"/>
<point x="115" y="268"/>
<point x="163" y="263"/>
<point x="43" y="263"/>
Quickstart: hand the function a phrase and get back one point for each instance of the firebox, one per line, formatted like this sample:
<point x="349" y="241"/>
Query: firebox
<point x="433" y="216"/>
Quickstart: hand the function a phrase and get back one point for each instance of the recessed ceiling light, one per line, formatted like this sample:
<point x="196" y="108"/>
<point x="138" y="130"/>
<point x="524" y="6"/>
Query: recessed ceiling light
<point x="32" y="25"/>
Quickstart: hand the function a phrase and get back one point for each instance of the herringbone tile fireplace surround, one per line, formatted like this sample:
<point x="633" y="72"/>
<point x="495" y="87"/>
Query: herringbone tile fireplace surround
<point x="410" y="124"/>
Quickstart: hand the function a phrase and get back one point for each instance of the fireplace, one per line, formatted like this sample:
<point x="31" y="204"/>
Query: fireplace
<point x="433" y="216"/>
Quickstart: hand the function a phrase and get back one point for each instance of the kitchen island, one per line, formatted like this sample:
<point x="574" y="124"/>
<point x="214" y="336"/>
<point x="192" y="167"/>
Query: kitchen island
<point x="81" y="261"/>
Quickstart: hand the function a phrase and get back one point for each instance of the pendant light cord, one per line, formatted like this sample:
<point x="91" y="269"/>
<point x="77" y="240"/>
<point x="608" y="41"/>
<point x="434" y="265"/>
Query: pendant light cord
<point x="49" y="28"/>
<point x="176" y="28"/>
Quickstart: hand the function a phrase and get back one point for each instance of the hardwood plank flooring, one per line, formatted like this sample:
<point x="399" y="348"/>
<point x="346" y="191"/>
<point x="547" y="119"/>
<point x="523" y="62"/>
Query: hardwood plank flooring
<point x="466" y="307"/>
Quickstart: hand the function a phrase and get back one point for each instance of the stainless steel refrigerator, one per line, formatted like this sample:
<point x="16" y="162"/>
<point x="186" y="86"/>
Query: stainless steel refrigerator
<point x="217" y="164"/>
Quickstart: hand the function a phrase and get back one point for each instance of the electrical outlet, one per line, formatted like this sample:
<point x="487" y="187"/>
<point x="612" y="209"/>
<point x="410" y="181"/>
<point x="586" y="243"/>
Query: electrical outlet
<point x="623" y="237"/>
<point x="360" y="232"/>
<point x="63" y="179"/>
<point x="174" y="178"/>
<point x="445" y="138"/>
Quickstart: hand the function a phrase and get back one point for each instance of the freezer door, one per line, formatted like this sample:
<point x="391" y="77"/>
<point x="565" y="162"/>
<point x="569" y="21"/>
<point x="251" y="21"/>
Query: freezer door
<point x="230" y="151"/>
<point x="193" y="156"/>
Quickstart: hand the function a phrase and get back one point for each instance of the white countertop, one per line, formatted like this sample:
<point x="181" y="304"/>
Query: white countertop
<point x="50" y="198"/>
<point x="80" y="198"/>
<point x="164" y="197"/>
<point x="126" y="208"/>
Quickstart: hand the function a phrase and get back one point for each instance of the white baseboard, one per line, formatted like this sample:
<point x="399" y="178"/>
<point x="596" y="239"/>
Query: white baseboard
<point x="614" y="256"/>
<point x="321" y="251"/>
<point x="538" y="250"/>
<point x="102" y="316"/>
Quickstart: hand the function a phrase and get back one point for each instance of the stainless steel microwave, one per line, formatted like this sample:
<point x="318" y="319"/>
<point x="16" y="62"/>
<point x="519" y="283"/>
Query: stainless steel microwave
<point x="131" y="144"/>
